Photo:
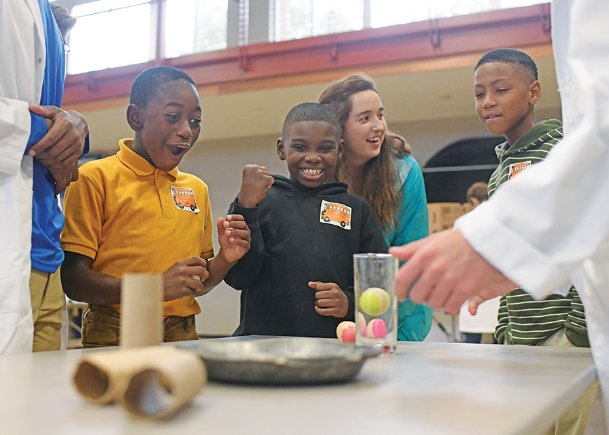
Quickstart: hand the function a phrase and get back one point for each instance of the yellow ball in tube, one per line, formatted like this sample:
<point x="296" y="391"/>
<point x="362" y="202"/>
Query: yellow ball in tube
<point x="374" y="301"/>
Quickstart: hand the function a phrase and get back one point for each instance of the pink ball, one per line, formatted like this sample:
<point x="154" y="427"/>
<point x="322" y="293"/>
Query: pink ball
<point x="345" y="331"/>
<point x="376" y="328"/>
<point x="349" y="335"/>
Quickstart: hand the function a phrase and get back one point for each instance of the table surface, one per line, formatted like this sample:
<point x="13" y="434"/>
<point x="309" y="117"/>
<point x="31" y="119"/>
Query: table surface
<point x="425" y="388"/>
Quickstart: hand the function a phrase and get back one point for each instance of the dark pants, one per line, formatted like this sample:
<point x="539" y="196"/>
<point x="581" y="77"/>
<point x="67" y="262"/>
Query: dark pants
<point x="101" y="327"/>
<point x="469" y="337"/>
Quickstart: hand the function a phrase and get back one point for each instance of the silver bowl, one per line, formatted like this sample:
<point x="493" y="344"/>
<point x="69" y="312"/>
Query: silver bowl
<point x="282" y="360"/>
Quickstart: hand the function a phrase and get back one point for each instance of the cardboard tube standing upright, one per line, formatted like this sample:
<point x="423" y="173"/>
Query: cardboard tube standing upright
<point x="141" y="310"/>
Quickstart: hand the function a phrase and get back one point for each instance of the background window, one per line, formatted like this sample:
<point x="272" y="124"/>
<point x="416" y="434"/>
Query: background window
<point x="389" y="12"/>
<point x="111" y="33"/>
<point x="193" y="26"/>
<point x="295" y="19"/>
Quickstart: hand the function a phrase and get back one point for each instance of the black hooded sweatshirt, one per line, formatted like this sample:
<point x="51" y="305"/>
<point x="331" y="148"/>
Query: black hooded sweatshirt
<point x="300" y="234"/>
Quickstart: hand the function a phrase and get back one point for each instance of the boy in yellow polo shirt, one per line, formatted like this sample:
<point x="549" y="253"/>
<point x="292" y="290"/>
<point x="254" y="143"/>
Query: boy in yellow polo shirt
<point x="136" y="212"/>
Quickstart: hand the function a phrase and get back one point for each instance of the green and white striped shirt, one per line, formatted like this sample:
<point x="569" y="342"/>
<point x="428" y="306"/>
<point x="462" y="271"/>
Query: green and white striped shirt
<point x="522" y="319"/>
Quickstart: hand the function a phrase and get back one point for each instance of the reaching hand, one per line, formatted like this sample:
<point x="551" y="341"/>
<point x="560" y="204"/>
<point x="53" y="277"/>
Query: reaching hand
<point x="255" y="182"/>
<point x="234" y="237"/>
<point x="184" y="278"/>
<point x="330" y="300"/>
<point x="443" y="270"/>
<point x="477" y="300"/>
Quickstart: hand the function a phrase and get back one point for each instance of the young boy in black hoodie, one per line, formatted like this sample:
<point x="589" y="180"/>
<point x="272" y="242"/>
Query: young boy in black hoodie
<point x="297" y="278"/>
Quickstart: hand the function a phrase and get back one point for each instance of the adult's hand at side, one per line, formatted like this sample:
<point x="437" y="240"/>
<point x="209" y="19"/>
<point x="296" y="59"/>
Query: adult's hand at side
<point x="64" y="141"/>
<point x="62" y="145"/>
<point x="63" y="175"/>
<point x="444" y="270"/>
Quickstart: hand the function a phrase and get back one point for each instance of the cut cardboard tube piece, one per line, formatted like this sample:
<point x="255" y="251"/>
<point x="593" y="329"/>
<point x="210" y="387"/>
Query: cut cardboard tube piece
<point x="141" y="310"/>
<point x="166" y="386"/>
<point x="103" y="377"/>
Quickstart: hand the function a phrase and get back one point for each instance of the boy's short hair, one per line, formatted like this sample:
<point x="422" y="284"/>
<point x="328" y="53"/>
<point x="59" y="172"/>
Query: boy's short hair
<point x="311" y="112"/>
<point x="514" y="57"/>
<point x="478" y="190"/>
<point x="149" y="81"/>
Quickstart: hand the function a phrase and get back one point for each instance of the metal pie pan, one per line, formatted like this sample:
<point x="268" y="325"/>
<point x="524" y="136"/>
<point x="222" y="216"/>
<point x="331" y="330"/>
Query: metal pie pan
<point x="281" y="361"/>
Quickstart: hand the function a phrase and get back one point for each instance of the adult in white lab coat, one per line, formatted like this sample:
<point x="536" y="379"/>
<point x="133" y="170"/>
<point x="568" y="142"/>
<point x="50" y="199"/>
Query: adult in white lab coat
<point x="549" y="226"/>
<point x="32" y="73"/>
<point x="23" y="58"/>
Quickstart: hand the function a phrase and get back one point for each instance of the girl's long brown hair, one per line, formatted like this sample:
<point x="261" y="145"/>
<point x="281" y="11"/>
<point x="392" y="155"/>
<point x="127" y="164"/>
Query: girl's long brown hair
<point x="380" y="184"/>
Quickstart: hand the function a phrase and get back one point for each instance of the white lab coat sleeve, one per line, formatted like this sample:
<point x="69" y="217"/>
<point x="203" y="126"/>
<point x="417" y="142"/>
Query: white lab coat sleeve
<point x="23" y="59"/>
<point x="539" y="227"/>
<point x="15" y="124"/>
<point x="588" y="49"/>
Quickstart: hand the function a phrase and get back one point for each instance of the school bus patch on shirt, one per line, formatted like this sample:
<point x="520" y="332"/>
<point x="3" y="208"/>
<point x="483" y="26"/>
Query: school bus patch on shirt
<point x="335" y="213"/>
<point x="516" y="168"/>
<point x="184" y="198"/>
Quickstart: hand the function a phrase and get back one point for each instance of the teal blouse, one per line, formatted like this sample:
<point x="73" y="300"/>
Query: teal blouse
<point x="414" y="320"/>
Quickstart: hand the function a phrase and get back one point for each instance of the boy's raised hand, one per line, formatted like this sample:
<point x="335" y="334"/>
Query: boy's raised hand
<point x="330" y="300"/>
<point x="234" y="237"/>
<point x="184" y="278"/>
<point x="255" y="182"/>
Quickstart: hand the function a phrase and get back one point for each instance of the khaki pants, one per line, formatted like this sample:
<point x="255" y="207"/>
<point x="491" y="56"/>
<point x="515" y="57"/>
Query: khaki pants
<point x="101" y="327"/>
<point x="575" y="418"/>
<point x="48" y="301"/>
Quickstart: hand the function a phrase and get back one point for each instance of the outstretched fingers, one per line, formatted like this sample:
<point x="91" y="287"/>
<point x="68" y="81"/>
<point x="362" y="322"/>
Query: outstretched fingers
<point x="408" y="274"/>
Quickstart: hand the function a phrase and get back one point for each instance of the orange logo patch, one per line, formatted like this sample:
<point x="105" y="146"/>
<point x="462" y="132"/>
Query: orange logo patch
<point x="184" y="198"/>
<point x="516" y="168"/>
<point x="335" y="213"/>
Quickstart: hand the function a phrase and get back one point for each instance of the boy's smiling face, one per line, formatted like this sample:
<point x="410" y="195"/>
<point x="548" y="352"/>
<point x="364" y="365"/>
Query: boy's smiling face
<point x="168" y="126"/>
<point x="311" y="150"/>
<point x="504" y="97"/>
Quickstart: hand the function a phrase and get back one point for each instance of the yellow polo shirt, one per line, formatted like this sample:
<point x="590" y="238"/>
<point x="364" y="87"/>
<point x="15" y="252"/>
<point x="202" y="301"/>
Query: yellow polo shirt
<point x="129" y="216"/>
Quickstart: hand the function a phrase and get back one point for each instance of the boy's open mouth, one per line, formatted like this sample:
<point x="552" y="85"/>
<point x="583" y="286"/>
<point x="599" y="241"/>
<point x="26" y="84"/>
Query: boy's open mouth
<point x="311" y="172"/>
<point x="178" y="149"/>
<point x="490" y="117"/>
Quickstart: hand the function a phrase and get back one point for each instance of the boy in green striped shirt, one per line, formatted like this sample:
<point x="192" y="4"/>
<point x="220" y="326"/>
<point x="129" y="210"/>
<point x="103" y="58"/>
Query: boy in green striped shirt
<point x="506" y="89"/>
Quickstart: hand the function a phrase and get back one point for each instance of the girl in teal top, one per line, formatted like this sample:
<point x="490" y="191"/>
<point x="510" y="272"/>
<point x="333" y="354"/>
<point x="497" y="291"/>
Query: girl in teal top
<point x="378" y="166"/>
<point x="414" y="320"/>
